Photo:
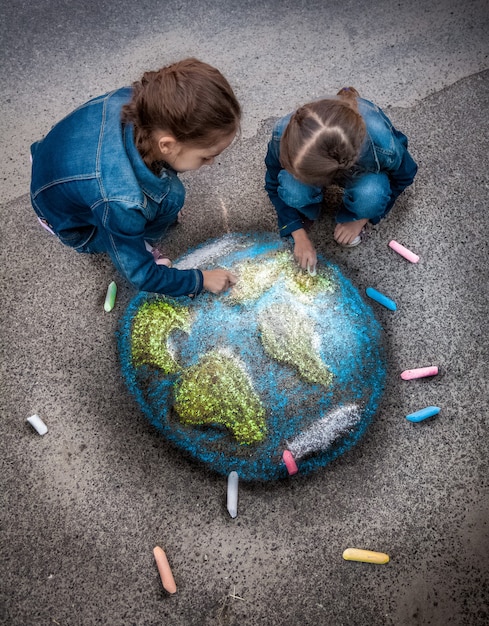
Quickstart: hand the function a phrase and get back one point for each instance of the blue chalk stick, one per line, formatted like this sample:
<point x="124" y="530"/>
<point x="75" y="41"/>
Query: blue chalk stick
<point x="422" y="414"/>
<point x="380" y="298"/>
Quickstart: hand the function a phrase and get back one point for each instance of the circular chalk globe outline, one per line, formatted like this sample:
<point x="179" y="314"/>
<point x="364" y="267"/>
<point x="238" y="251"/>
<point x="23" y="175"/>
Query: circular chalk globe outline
<point x="263" y="460"/>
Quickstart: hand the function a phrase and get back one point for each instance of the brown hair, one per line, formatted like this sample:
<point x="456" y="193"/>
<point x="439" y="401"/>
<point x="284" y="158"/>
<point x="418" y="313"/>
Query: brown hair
<point x="189" y="99"/>
<point x="323" y="138"/>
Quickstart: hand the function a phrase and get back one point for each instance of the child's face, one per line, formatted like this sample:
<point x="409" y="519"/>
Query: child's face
<point x="185" y="157"/>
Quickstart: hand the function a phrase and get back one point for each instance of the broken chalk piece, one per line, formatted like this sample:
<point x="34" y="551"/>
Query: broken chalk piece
<point x="232" y="499"/>
<point x="380" y="298"/>
<point x="420" y="372"/>
<point x="400" y="249"/>
<point x="110" y="297"/>
<point x="36" y="422"/>
<point x="422" y="414"/>
<point x="290" y="463"/>
<point x="164" y="570"/>
<point x="365" y="556"/>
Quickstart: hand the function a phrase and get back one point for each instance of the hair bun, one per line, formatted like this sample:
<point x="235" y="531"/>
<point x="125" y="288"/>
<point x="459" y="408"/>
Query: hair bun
<point x="348" y="92"/>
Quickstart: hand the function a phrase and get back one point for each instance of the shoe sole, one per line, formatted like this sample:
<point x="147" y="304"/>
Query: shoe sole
<point x="353" y="244"/>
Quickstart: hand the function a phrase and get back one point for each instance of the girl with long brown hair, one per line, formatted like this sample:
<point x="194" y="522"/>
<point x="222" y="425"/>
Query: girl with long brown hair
<point x="105" y="178"/>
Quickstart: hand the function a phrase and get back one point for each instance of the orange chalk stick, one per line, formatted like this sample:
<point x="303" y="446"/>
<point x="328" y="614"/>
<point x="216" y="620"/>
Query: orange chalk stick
<point x="164" y="569"/>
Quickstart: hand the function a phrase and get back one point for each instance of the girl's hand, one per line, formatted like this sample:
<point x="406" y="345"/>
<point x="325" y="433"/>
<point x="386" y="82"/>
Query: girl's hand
<point x="217" y="281"/>
<point x="304" y="252"/>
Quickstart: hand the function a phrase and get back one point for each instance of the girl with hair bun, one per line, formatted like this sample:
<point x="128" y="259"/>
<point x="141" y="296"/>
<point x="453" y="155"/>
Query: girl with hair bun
<point x="343" y="140"/>
<point x="105" y="178"/>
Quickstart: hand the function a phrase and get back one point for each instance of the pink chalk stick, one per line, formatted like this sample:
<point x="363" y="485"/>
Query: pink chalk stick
<point x="420" y="372"/>
<point x="407" y="254"/>
<point x="290" y="463"/>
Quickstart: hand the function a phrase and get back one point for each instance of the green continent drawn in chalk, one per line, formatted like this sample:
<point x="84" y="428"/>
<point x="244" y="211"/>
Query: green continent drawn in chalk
<point x="287" y="335"/>
<point x="217" y="390"/>
<point x="152" y="326"/>
<point x="257" y="277"/>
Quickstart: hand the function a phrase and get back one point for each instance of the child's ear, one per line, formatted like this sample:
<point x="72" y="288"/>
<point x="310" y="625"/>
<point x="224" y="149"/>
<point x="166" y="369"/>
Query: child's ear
<point x="166" y="144"/>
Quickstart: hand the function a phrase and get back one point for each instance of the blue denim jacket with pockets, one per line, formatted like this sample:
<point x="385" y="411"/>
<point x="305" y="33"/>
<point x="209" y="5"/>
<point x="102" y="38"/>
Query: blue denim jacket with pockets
<point x="90" y="184"/>
<point x="384" y="150"/>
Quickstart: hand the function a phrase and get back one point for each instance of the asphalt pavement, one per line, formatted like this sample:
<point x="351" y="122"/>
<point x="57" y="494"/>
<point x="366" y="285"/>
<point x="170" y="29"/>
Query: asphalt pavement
<point x="84" y="505"/>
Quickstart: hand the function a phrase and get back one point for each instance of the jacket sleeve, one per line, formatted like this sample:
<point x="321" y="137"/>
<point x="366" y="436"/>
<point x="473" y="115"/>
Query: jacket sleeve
<point x="122" y="227"/>
<point x="403" y="173"/>
<point x="289" y="219"/>
<point x="399" y="165"/>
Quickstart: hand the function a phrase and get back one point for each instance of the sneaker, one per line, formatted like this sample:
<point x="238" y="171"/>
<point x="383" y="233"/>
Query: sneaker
<point x="358" y="239"/>
<point x="45" y="225"/>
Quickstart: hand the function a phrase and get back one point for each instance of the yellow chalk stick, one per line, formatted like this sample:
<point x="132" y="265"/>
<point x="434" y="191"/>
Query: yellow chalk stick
<point x="164" y="570"/>
<point x="365" y="556"/>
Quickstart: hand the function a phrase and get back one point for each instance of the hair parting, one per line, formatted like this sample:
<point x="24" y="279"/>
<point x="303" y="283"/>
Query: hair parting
<point x="323" y="138"/>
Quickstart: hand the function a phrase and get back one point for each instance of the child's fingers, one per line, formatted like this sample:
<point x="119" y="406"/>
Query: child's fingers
<point x="311" y="269"/>
<point x="232" y="278"/>
<point x="218" y="280"/>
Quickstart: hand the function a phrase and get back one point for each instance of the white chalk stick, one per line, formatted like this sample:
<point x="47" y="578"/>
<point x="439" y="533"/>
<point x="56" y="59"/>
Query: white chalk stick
<point x="311" y="270"/>
<point x="232" y="500"/>
<point x="36" y="422"/>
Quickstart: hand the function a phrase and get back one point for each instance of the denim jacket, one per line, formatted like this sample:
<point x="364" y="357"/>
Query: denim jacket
<point x="90" y="184"/>
<point x="384" y="150"/>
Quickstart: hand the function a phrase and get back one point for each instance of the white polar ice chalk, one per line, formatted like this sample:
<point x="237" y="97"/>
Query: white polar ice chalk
<point x="232" y="502"/>
<point x="36" y="422"/>
<point x="324" y="432"/>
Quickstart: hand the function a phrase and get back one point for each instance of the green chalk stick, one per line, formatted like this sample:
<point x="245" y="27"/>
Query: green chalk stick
<point x="110" y="297"/>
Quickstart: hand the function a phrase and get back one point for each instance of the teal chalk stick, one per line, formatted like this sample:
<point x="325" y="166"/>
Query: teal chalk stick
<point x="110" y="297"/>
<point x="422" y="414"/>
<point x="380" y="298"/>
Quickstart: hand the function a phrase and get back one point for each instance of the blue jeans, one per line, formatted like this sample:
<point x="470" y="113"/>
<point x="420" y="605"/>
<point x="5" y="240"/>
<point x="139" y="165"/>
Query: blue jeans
<point x="366" y="197"/>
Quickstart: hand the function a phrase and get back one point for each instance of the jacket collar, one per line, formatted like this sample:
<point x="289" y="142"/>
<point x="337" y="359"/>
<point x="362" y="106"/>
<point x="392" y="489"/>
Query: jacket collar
<point x="153" y="186"/>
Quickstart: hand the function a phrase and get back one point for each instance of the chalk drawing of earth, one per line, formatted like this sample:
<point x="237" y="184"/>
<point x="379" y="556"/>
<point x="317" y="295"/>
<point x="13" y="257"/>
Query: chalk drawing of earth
<point x="282" y="361"/>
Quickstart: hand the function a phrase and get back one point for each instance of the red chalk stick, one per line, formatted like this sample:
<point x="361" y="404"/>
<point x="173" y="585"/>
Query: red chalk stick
<point x="420" y="372"/>
<point x="407" y="254"/>
<point x="290" y="463"/>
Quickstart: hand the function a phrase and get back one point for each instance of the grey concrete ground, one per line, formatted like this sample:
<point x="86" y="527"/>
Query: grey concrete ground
<point x="84" y="505"/>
